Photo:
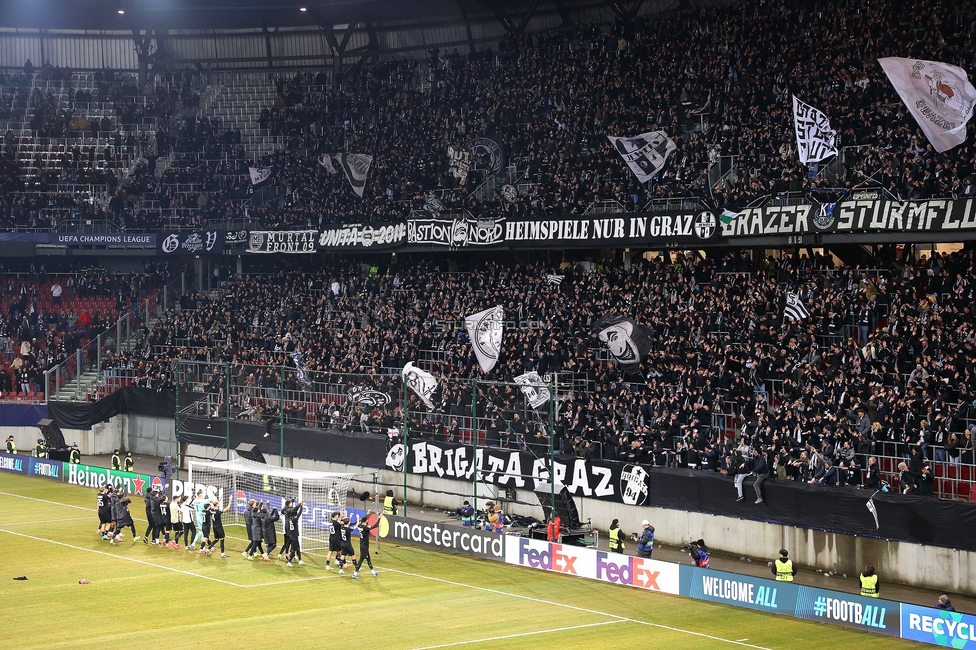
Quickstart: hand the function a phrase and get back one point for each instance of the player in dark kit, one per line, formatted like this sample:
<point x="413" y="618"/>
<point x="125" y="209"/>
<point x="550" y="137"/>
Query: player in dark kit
<point x="104" y="511"/>
<point x="335" y="541"/>
<point x="292" y="542"/>
<point x="346" y="551"/>
<point x="205" y="527"/>
<point x="364" y="531"/>
<point x="218" y="526"/>
<point x="123" y="519"/>
<point x="163" y="524"/>
<point x="248" y="519"/>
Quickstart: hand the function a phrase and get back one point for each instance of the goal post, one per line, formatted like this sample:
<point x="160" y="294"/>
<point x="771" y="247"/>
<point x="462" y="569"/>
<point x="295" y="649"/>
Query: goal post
<point x="241" y="480"/>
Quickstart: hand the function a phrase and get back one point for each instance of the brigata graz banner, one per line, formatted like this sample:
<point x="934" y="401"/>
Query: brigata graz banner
<point x="630" y="484"/>
<point x="855" y="216"/>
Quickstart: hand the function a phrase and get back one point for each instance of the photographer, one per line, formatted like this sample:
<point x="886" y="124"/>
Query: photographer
<point x="466" y="514"/>
<point x="700" y="556"/>
<point x="645" y="543"/>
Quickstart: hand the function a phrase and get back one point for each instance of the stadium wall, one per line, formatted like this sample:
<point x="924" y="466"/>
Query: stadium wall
<point x="931" y="567"/>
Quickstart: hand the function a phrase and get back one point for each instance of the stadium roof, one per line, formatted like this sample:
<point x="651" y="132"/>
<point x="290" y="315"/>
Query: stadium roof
<point x="513" y="15"/>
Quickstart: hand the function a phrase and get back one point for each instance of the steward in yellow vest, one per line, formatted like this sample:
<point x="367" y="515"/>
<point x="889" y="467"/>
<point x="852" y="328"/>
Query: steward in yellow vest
<point x="783" y="567"/>
<point x="616" y="537"/>
<point x="869" y="583"/>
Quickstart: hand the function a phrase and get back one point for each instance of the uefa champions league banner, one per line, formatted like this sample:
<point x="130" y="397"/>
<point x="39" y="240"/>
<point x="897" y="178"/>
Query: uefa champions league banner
<point x="509" y="468"/>
<point x="942" y="215"/>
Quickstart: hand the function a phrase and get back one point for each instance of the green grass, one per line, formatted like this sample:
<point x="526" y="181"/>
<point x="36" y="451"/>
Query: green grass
<point x="143" y="595"/>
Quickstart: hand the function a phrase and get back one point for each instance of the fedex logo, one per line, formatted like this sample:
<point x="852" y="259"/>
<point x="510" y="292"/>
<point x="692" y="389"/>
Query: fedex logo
<point x="553" y="559"/>
<point x="633" y="571"/>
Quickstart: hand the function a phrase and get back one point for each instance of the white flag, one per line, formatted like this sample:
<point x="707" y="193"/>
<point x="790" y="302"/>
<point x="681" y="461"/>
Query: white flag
<point x="485" y="331"/>
<point x="356" y="166"/>
<point x="533" y="388"/>
<point x="259" y="174"/>
<point x="874" y="511"/>
<point x="938" y="95"/>
<point x="326" y="161"/>
<point x="554" y="280"/>
<point x="795" y="309"/>
<point x="815" y="140"/>
<point x="646" y="153"/>
<point x="301" y="370"/>
<point x="420" y="382"/>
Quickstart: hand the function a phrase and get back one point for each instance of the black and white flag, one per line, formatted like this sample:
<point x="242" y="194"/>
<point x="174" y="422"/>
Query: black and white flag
<point x="704" y="107"/>
<point x="815" y="140"/>
<point x="535" y="390"/>
<point x="509" y="194"/>
<point x="259" y="174"/>
<point x="356" y="166"/>
<point x="433" y="204"/>
<point x="489" y="153"/>
<point x="627" y="340"/>
<point x="420" y="382"/>
<point x="301" y="370"/>
<point x="555" y="280"/>
<point x="795" y="310"/>
<point x="646" y="153"/>
<point x="326" y="161"/>
<point x="460" y="163"/>
<point x="874" y="511"/>
<point x="485" y="330"/>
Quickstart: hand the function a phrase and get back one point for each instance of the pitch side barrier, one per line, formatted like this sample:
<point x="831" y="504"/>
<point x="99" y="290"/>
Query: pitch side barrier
<point x="76" y="474"/>
<point x="876" y="615"/>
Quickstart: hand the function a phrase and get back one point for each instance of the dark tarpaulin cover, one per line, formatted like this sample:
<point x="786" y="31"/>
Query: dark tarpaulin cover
<point x="136" y="401"/>
<point x="923" y="520"/>
<point x="347" y="447"/>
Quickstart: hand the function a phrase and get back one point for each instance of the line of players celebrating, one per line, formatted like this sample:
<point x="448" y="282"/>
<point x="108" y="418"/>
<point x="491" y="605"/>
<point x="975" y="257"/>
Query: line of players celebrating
<point x="200" y="520"/>
<point x="197" y="520"/>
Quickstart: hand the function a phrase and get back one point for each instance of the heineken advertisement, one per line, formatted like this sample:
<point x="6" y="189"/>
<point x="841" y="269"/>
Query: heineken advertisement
<point x="95" y="477"/>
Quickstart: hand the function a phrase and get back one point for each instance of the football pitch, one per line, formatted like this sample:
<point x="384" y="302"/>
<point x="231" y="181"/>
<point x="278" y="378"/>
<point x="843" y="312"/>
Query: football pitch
<point x="141" y="595"/>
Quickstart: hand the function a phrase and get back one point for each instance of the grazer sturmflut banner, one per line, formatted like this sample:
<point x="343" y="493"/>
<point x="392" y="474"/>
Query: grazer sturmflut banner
<point x="941" y="215"/>
<point x="595" y="479"/>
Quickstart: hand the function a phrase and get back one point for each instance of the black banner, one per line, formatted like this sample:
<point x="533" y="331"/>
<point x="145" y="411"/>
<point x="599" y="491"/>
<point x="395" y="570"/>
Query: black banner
<point x="346" y="447"/>
<point x="361" y="237"/>
<point x="128" y="399"/>
<point x="595" y="479"/>
<point x="205" y="242"/>
<point x="456" y="233"/>
<point x="286" y="241"/>
<point x="855" y="216"/>
<point x="922" y="520"/>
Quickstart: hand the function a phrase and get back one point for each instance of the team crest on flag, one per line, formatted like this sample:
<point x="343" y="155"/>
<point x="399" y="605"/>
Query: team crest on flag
<point x="627" y="340"/>
<point x="938" y="95"/>
<point x="485" y="330"/>
<point x="420" y="382"/>
<point x="555" y="280"/>
<point x="356" y="166"/>
<point x="795" y="309"/>
<point x="815" y="140"/>
<point x="646" y="153"/>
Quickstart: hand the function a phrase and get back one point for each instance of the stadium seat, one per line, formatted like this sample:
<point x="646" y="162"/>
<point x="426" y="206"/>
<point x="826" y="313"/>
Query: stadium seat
<point x="972" y="493"/>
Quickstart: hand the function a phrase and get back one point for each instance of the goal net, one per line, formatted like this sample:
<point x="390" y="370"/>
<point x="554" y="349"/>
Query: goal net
<point x="241" y="481"/>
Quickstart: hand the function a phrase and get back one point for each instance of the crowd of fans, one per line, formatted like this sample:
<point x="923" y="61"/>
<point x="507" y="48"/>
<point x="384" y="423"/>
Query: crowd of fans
<point x="882" y="366"/>
<point x="47" y="316"/>
<point x="718" y="81"/>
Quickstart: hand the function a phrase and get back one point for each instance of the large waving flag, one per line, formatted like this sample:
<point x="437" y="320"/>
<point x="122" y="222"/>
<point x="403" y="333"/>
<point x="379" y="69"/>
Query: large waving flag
<point x="646" y="153"/>
<point x="815" y="140"/>
<point x="356" y="166"/>
<point x="627" y="340"/>
<point x="938" y="95"/>
<point x="421" y="382"/>
<point x="485" y="330"/>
